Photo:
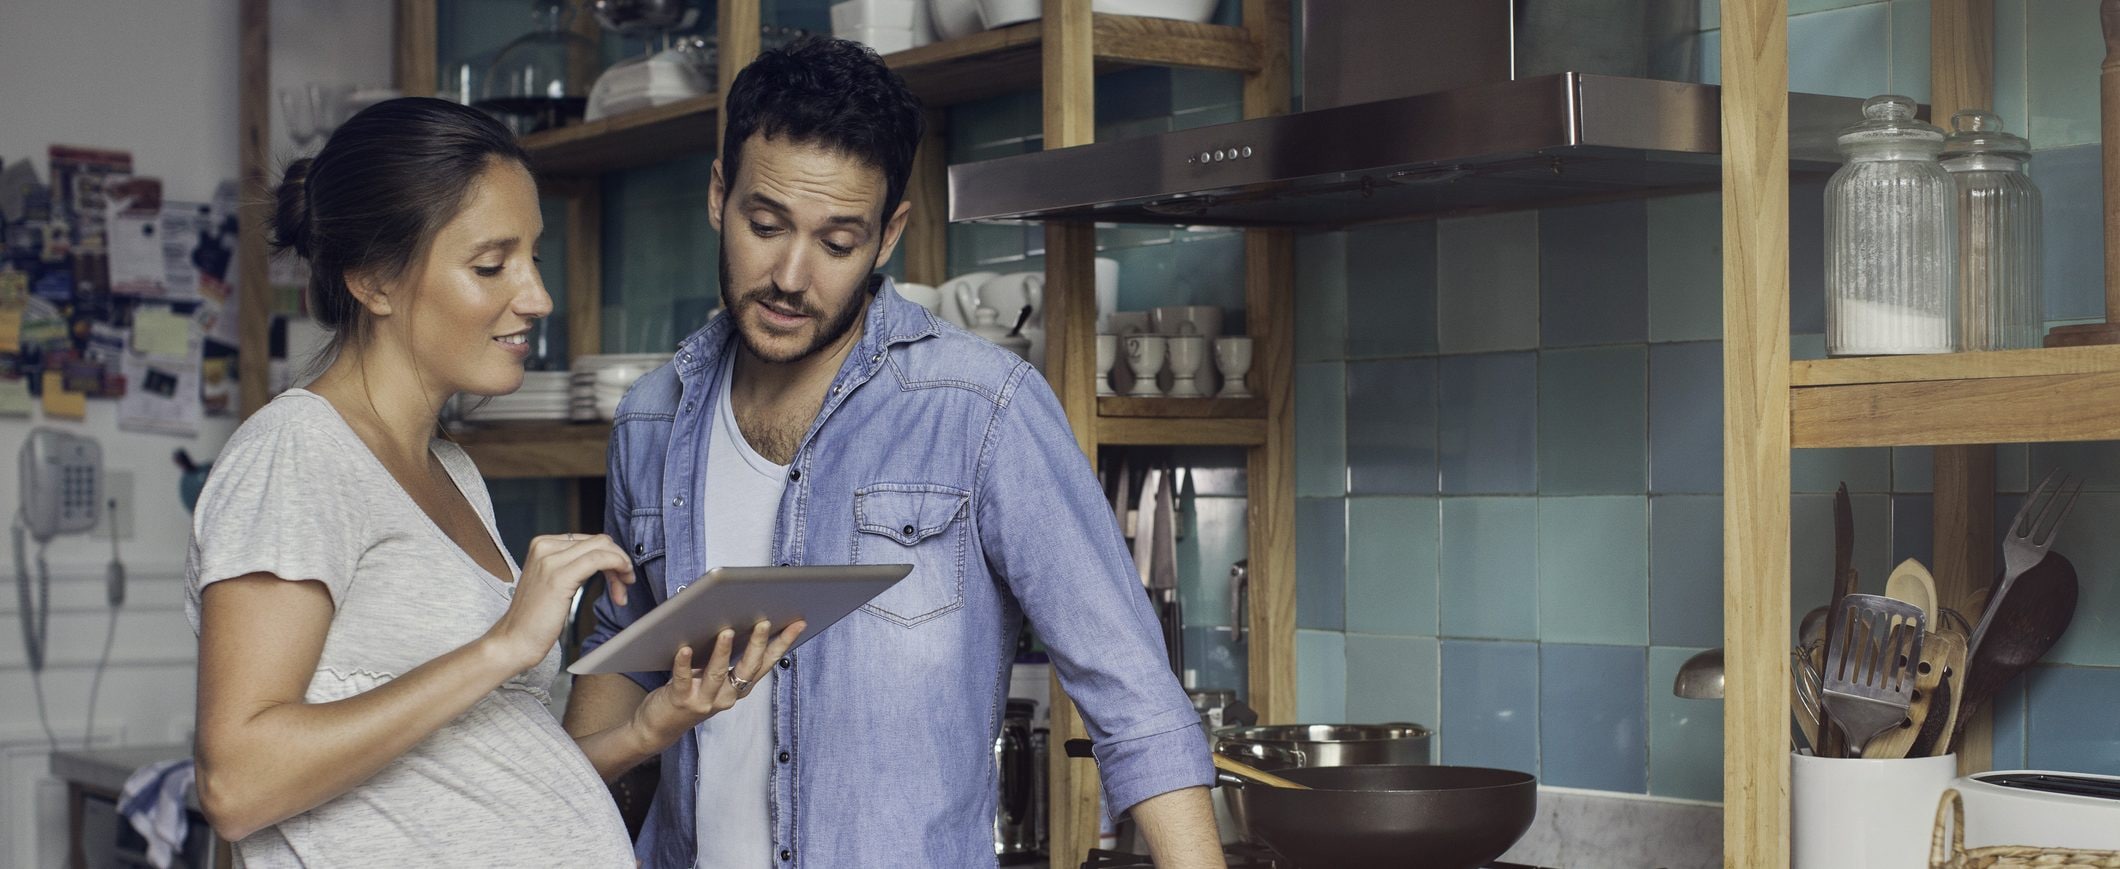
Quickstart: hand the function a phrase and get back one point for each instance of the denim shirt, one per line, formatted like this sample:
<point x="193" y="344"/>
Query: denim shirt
<point x="941" y="450"/>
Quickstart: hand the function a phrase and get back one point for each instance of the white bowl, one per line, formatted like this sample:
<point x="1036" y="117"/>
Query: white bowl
<point x="1183" y="10"/>
<point x="995" y="14"/>
<point x="954" y="19"/>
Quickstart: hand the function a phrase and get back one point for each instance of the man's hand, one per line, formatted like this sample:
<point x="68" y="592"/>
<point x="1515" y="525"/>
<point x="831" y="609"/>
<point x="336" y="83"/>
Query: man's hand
<point x="1180" y="828"/>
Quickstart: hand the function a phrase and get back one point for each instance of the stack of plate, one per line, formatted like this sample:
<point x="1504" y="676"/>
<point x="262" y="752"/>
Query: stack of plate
<point x="542" y="398"/>
<point x="598" y="382"/>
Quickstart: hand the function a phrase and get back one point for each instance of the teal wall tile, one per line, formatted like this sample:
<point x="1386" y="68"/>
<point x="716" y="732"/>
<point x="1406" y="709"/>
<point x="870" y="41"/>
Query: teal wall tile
<point x="1685" y="736"/>
<point x="2086" y="537"/>
<point x="1394" y="559"/>
<point x="1807" y="256"/>
<point x="1321" y="563"/>
<point x="1811" y="346"/>
<point x="2070" y="225"/>
<point x="2012" y="467"/>
<point x="1799" y="7"/>
<point x="1142" y="93"/>
<point x="1711" y="57"/>
<point x="1913" y="529"/>
<point x="1212" y="539"/>
<point x="1393" y="679"/>
<point x="1913" y="469"/>
<point x="1685" y="418"/>
<point x="1206" y="117"/>
<point x="1593" y="570"/>
<point x="1685" y="570"/>
<point x="1685" y="267"/>
<point x="1490" y="568"/>
<point x="2063" y="50"/>
<point x="1594" y="274"/>
<point x="1391" y="290"/>
<point x="2009" y="726"/>
<point x="1910" y="50"/>
<point x="1321" y="296"/>
<point x="1321" y="442"/>
<point x="526" y="508"/>
<point x="1211" y="272"/>
<point x="1321" y="676"/>
<point x="1487" y="424"/>
<point x="1214" y="660"/>
<point x="2097" y="463"/>
<point x="1194" y="89"/>
<point x="2012" y="82"/>
<point x="1862" y="469"/>
<point x="2069" y="719"/>
<point x="1487" y="283"/>
<point x="659" y="257"/>
<point x="1146" y="274"/>
<point x="1391" y="427"/>
<point x="1811" y="548"/>
<point x="1593" y="717"/>
<point x="1840" y="51"/>
<point x="1490" y="705"/>
<point x="1593" y="422"/>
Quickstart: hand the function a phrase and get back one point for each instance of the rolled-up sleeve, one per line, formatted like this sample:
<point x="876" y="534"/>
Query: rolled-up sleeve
<point x="640" y="598"/>
<point x="1048" y="532"/>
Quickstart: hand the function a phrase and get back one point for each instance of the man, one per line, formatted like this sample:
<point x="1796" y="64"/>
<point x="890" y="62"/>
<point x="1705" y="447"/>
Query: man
<point x="823" y="419"/>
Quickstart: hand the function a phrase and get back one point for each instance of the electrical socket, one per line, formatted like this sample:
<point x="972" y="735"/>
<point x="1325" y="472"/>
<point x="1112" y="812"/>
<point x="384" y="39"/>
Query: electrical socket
<point x="119" y="485"/>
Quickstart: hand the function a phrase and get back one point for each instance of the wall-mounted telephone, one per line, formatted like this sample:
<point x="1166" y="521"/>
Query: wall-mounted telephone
<point x="62" y="493"/>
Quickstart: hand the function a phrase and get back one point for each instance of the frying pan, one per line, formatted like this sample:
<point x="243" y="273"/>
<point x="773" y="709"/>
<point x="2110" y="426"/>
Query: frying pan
<point x="1371" y="817"/>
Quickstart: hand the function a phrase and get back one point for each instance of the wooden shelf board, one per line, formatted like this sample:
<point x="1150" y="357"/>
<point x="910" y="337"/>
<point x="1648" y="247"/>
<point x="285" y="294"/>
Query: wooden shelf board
<point x="1182" y="408"/>
<point x="636" y="138"/>
<point x="2037" y="362"/>
<point x="1184" y="432"/>
<point x="1994" y="409"/>
<point x="995" y="62"/>
<point x="555" y="449"/>
<point x="984" y="64"/>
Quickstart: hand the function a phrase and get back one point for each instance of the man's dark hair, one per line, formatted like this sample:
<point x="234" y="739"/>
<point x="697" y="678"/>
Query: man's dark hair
<point x="828" y="92"/>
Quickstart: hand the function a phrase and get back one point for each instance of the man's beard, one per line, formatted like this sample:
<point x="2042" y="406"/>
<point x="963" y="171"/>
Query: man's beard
<point x="835" y="327"/>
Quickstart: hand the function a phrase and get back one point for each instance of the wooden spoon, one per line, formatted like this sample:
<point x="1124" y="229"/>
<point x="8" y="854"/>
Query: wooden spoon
<point x="1912" y="583"/>
<point x="1245" y="770"/>
<point x="2028" y="621"/>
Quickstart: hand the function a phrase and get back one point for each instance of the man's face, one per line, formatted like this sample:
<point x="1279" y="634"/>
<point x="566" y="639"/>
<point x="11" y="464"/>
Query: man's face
<point x="802" y="227"/>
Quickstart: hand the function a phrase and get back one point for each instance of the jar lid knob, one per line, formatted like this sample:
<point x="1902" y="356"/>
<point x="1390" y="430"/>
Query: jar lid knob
<point x="1888" y="107"/>
<point x="1976" y="121"/>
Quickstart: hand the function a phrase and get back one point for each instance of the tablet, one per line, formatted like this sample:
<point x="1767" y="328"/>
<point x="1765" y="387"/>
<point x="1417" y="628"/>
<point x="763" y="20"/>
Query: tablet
<point x="736" y="598"/>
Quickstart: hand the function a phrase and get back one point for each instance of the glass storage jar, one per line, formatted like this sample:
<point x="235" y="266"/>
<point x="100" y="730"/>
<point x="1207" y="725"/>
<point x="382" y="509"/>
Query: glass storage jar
<point x="2000" y="305"/>
<point x="532" y="84"/>
<point x="1891" y="237"/>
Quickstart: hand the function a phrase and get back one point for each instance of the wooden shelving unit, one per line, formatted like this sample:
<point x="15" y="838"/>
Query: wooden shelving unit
<point x="2053" y="394"/>
<point x="1061" y="54"/>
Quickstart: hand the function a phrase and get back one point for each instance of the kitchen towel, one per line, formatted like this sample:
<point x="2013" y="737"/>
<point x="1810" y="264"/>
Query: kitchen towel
<point x="153" y="800"/>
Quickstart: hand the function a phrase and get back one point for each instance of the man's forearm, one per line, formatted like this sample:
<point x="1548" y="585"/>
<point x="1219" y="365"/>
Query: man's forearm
<point x="1180" y="828"/>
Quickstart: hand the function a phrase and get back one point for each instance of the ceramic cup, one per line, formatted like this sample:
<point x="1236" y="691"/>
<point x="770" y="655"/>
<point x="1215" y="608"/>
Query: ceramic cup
<point x="1144" y="357"/>
<point x="1107" y="292"/>
<point x="1186" y="354"/>
<point x="1233" y="361"/>
<point x="960" y="296"/>
<point x="1864" y="814"/>
<point x="1107" y="355"/>
<point x="1202" y="320"/>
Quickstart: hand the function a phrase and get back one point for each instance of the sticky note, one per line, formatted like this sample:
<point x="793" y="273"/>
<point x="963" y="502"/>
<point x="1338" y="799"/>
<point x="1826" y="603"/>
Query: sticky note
<point x="10" y="330"/>
<point x="157" y="332"/>
<point x="15" y="398"/>
<point x="61" y="404"/>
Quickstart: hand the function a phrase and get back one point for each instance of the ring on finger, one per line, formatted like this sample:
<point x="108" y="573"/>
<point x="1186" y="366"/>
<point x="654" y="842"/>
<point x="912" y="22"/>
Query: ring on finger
<point x="742" y="685"/>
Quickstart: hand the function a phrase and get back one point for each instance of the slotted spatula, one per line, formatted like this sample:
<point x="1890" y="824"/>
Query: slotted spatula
<point x="1873" y="650"/>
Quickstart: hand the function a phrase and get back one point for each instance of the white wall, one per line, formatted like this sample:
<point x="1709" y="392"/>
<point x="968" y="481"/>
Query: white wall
<point x="157" y="78"/>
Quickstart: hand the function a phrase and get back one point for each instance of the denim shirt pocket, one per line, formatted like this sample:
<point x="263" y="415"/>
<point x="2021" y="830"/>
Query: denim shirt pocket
<point x="919" y="524"/>
<point x="644" y="545"/>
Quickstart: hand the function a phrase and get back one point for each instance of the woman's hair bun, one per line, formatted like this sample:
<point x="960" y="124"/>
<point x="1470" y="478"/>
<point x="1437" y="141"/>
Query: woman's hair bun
<point x="290" y="219"/>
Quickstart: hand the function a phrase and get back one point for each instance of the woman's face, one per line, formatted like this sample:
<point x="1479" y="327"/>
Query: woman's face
<point x="478" y="291"/>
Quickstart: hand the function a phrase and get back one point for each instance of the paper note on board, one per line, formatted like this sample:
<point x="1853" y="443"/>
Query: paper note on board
<point x="159" y="332"/>
<point x="60" y="403"/>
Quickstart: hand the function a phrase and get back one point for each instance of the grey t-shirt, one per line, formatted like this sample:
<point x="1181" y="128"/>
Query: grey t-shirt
<point x="297" y="494"/>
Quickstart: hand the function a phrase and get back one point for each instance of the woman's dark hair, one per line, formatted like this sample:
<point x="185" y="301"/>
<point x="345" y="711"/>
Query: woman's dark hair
<point x="372" y="200"/>
<point x="829" y="92"/>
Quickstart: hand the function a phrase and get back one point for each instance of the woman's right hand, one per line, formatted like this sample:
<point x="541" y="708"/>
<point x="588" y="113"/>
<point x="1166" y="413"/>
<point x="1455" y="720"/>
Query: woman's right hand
<point x="557" y="566"/>
<point x="694" y="695"/>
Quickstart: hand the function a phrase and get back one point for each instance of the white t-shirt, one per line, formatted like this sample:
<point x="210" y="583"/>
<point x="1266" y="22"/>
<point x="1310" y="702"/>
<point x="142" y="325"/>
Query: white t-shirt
<point x="297" y="494"/>
<point x="740" y="494"/>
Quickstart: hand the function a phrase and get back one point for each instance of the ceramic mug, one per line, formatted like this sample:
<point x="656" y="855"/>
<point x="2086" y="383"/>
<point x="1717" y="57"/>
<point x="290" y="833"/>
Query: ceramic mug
<point x="960" y="296"/>
<point x="1107" y="355"/>
<point x="920" y="294"/>
<point x="1232" y="362"/>
<point x="1202" y="320"/>
<point x="1186" y="355"/>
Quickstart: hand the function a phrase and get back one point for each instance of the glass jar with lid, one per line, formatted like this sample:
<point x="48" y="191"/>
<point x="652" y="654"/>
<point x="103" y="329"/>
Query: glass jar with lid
<point x="1891" y="237"/>
<point x="533" y="83"/>
<point x="2000" y="304"/>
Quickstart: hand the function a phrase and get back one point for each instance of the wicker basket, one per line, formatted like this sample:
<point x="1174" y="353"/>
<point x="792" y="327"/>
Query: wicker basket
<point x="1955" y="856"/>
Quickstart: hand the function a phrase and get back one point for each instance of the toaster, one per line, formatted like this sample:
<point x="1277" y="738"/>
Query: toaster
<point x="2041" y="808"/>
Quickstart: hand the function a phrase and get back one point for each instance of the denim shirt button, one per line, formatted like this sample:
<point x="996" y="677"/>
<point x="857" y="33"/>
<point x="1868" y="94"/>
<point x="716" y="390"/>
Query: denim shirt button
<point x="786" y="855"/>
<point x="678" y="501"/>
<point x="785" y="663"/>
<point x="640" y="549"/>
<point x="794" y="473"/>
<point x="908" y="530"/>
<point x="785" y="757"/>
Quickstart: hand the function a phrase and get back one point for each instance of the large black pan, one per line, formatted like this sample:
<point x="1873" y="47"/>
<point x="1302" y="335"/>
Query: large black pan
<point x="1359" y="817"/>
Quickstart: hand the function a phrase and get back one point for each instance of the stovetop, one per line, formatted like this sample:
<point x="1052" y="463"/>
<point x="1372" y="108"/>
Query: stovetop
<point x="1239" y="856"/>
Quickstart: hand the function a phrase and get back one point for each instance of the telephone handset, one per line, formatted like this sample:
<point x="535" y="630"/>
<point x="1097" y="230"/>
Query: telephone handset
<point x="62" y="483"/>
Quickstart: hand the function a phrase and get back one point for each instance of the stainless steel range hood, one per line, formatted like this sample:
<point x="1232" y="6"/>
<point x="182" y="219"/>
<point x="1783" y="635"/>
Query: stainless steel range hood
<point x="1456" y="106"/>
<point x="1514" y="144"/>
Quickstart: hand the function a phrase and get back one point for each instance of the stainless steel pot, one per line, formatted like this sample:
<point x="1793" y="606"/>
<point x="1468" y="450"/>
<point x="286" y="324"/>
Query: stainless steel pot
<point x="1331" y="744"/>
